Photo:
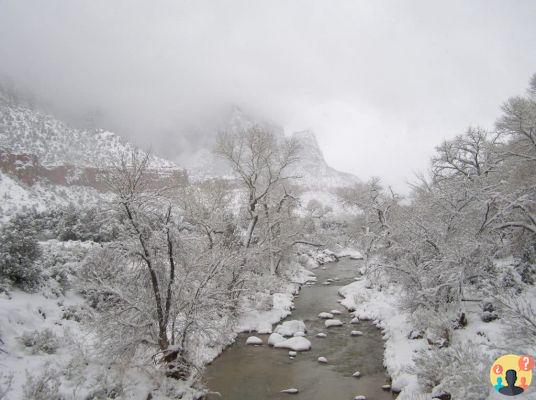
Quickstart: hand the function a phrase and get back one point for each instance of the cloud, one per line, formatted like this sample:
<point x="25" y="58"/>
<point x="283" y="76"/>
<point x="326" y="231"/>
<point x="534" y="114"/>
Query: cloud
<point x="381" y="82"/>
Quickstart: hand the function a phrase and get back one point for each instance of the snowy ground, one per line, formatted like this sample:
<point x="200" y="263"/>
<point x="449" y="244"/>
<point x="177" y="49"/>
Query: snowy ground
<point x="381" y="307"/>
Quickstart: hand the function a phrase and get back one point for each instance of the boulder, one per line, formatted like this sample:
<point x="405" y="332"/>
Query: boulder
<point x="254" y="341"/>
<point x="295" y="343"/>
<point x="332" y="322"/>
<point x="289" y="328"/>
<point x="275" y="338"/>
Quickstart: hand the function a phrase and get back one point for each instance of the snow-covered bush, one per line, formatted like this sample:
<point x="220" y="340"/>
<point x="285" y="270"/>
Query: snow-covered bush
<point x="459" y="370"/>
<point x="44" y="341"/>
<point x="6" y="384"/>
<point x="19" y="250"/>
<point x="44" y="386"/>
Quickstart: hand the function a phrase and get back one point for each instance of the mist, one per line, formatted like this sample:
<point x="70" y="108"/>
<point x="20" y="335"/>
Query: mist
<point x="381" y="83"/>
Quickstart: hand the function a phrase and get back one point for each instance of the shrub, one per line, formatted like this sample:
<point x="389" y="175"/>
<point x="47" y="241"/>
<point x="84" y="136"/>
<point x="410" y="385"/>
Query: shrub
<point x="19" y="250"/>
<point x="45" y="341"/>
<point x="42" y="387"/>
<point x="458" y="370"/>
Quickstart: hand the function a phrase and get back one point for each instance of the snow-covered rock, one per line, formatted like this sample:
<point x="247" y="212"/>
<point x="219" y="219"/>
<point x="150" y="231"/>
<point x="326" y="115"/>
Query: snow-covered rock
<point x="356" y="333"/>
<point x="386" y="387"/>
<point x="325" y="315"/>
<point x="290" y="391"/>
<point x="335" y="312"/>
<point x="332" y="322"/>
<point x="354" y="320"/>
<point x="254" y="341"/>
<point x="275" y="338"/>
<point x="289" y="328"/>
<point x="295" y="343"/>
<point x="299" y="333"/>
<point x="321" y="335"/>
<point x="292" y="353"/>
<point x="360" y="397"/>
<point x="356" y="374"/>
<point x="322" y="360"/>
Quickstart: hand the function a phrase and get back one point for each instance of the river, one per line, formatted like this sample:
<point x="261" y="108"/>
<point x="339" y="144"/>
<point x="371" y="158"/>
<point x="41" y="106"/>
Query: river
<point x="258" y="373"/>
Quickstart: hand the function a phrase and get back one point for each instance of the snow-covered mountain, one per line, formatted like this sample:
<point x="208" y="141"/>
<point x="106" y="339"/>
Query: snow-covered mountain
<point x="54" y="143"/>
<point x="45" y="162"/>
<point x="312" y="168"/>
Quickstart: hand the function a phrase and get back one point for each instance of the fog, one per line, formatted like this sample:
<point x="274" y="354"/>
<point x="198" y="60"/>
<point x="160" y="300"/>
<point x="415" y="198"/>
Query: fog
<point x="380" y="82"/>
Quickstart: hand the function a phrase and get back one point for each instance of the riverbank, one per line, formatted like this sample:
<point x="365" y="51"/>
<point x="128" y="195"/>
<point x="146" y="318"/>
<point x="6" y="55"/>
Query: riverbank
<point x="245" y="372"/>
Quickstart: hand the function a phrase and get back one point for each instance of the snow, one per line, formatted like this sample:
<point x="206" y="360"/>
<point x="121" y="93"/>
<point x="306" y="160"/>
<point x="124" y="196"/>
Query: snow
<point x="321" y="335"/>
<point x="325" y="315"/>
<point x="356" y="374"/>
<point x="349" y="252"/>
<point x="299" y="333"/>
<point x="254" y="340"/>
<point x="356" y="333"/>
<point x="295" y="343"/>
<point x="332" y="322"/>
<point x="335" y="312"/>
<point x="289" y="328"/>
<point x="322" y="360"/>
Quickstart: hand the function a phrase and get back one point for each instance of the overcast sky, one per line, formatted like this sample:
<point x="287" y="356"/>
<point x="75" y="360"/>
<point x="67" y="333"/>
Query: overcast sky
<point x="380" y="82"/>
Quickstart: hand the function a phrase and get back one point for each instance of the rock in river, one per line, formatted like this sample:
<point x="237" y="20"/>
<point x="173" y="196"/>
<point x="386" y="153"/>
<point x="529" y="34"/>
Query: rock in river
<point x="332" y="322"/>
<point x="295" y="343"/>
<point x="254" y="340"/>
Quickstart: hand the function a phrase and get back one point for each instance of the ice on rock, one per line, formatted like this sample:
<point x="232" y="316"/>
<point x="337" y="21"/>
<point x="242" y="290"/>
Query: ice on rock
<point x="335" y="312"/>
<point x="356" y="333"/>
<point x="332" y="322"/>
<point x="290" y="391"/>
<point x="325" y="315"/>
<point x="322" y="360"/>
<point x="295" y="343"/>
<point x="321" y="335"/>
<point x="275" y="338"/>
<point x="354" y="320"/>
<point x="289" y="328"/>
<point x="299" y="333"/>
<point x="254" y="340"/>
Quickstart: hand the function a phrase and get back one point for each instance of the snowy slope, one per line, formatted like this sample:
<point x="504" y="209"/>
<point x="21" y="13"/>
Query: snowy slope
<point x="27" y="131"/>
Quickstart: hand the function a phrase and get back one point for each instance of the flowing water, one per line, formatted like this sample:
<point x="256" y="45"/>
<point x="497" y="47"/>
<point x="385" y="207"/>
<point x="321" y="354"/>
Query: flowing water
<point x="258" y="373"/>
